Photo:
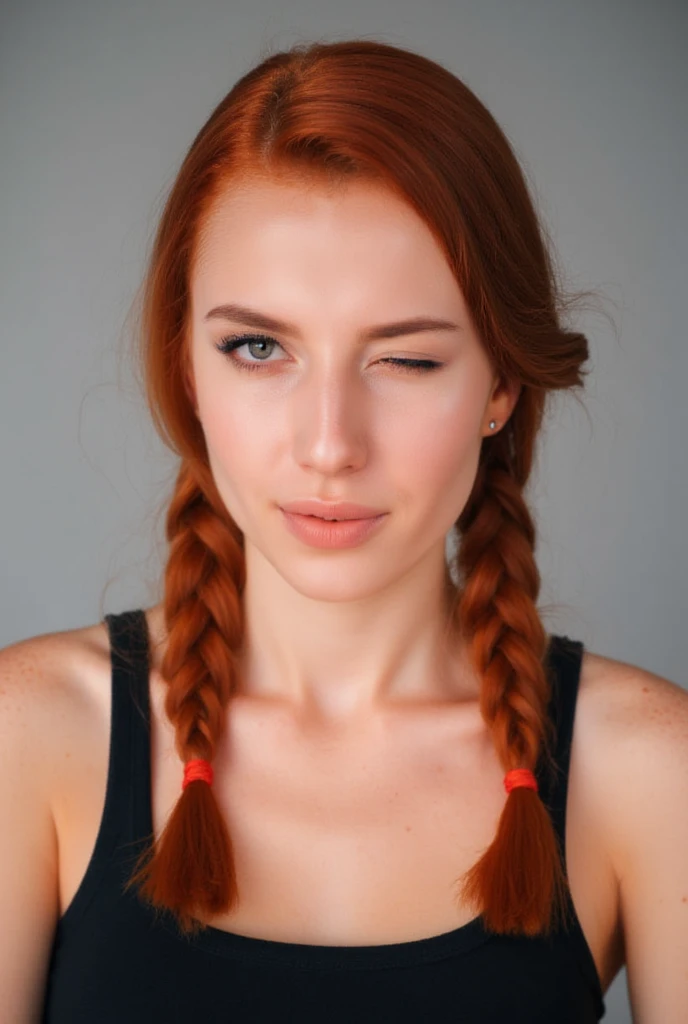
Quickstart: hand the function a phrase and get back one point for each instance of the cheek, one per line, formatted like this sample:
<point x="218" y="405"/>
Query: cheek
<point x="233" y="427"/>
<point x="239" y="442"/>
<point x="435" y="450"/>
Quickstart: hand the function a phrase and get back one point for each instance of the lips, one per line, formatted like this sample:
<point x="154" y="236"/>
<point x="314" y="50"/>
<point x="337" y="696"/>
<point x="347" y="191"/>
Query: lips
<point x="330" y="510"/>
<point x="318" y="532"/>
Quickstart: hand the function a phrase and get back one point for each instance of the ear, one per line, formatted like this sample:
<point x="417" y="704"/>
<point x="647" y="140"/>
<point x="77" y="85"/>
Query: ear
<point x="501" y="405"/>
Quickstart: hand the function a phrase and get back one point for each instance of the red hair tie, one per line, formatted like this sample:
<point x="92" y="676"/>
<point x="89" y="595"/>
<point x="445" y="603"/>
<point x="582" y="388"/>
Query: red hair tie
<point x="520" y="777"/>
<point x="198" y="769"/>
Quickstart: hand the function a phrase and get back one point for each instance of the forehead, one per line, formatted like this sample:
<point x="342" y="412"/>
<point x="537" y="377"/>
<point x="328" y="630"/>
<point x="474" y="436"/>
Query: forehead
<point x="351" y="237"/>
<point x="254" y="206"/>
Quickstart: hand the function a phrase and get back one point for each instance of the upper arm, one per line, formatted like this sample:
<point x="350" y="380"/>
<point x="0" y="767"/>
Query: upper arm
<point x="28" y="844"/>
<point x="646" y="763"/>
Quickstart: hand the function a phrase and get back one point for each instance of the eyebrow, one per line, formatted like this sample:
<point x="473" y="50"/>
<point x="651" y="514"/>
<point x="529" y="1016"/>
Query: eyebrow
<point x="254" y="318"/>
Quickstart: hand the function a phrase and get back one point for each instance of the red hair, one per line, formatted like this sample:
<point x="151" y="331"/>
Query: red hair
<point x="333" y="112"/>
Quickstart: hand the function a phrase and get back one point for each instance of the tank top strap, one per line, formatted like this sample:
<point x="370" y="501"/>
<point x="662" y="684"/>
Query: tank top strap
<point x="130" y="758"/>
<point x="563" y="665"/>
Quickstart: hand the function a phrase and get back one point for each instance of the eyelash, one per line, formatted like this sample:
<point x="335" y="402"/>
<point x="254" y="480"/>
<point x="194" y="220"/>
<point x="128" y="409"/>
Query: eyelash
<point x="233" y="342"/>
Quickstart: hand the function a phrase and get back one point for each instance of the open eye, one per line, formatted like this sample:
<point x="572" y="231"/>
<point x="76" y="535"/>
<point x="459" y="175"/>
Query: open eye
<point x="231" y="344"/>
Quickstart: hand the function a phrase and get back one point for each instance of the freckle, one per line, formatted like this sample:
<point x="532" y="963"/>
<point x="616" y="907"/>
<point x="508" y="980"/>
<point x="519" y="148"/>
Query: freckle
<point x="646" y="689"/>
<point x="684" y="899"/>
<point x="408" y="829"/>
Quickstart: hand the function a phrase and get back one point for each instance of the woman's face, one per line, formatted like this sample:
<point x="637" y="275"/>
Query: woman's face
<point x="319" y="407"/>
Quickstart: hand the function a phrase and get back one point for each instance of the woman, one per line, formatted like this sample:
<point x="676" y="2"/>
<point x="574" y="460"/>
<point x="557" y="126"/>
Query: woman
<point x="343" y="781"/>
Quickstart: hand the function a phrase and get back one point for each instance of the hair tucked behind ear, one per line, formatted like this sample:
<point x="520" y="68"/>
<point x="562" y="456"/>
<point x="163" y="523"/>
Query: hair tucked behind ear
<point x="329" y="113"/>
<point x="192" y="865"/>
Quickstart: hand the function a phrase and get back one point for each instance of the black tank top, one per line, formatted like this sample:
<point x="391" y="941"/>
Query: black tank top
<point x="114" y="961"/>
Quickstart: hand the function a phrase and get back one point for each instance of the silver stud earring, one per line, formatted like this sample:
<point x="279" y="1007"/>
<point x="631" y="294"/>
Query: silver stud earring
<point x="493" y="424"/>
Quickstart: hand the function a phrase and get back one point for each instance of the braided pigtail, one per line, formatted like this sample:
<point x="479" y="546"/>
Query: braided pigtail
<point x="519" y="881"/>
<point x="191" y="867"/>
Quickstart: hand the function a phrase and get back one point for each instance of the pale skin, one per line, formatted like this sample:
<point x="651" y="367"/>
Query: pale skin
<point x="355" y="741"/>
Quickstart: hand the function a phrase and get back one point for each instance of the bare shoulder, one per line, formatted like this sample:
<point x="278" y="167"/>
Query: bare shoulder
<point x="50" y="686"/>
<point x="631" y="758"/>
<point x="631" y="732"/>
<point x="52" y="664"/>
<point x="631" y="707"/>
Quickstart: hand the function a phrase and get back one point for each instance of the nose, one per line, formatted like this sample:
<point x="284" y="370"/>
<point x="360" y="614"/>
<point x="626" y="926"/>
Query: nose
<point x="330" y="417"/>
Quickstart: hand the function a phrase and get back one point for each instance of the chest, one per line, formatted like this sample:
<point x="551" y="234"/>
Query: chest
<point x="354" y="840"/>
<point x="344" y="837"/>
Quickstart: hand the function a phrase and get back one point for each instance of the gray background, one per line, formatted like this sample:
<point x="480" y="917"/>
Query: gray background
<point x="99" y="102"/>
